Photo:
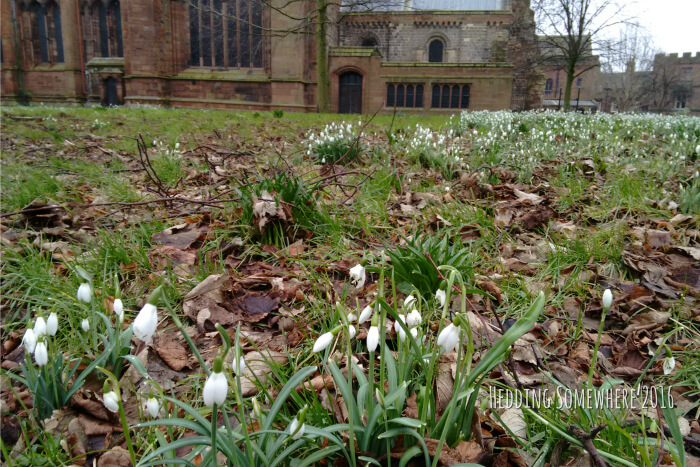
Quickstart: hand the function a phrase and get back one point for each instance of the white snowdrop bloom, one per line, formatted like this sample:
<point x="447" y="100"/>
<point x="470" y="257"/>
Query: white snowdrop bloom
<point x="448" y="337"/>
<point x="146" y="322"/>
<point x="351" y="331"/>
<point x="607" y="299"/>
<point x="351" y="317"/>
<point x="365" y="315"/>
<point x="119" y="308"/>
<point x="669" y="364"/>
<point x="41" y="356"/>
<point x="29" y="340"/>
<point x="52" y="324"/>
<point x="40" y="327"/>
<point x="296" y="431"/>
<point x="414" y="318"/>
<point x="372" y="338"/>
<point x="399" y="329"/>
<point x="323" y="341"/>
<point x="215" y="389"/>
<point x="153" y="406"/>
<point x="85" y="324"/>
<point x="238" y="365"/>
<point x="111" y="401"/>
<point x="409" y="302"/>
<point x="358" y="275"/>
<point x="85" y="293"/>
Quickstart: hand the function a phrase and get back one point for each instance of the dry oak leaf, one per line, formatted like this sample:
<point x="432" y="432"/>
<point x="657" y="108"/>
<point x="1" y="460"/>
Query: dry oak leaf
<point x="115" y="457"/>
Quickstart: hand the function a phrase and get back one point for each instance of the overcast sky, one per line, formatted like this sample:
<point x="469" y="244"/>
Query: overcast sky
<point x="674" y="24"/>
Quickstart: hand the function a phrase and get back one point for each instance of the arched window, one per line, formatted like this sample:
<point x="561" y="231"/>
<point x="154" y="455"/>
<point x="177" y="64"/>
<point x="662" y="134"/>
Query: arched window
<point x="449" y="96"/>
<point x="578" y="83"/>
<point x="548" y="86"/>
<point x="369" y="41"/>
<point x="390" y="96"/>
<point x="40" y="33"/>
<point x="435" y="51"/>
<point x="400" y="96"/>
<point x="226" y="34"/>
<point x="102" y="29"/>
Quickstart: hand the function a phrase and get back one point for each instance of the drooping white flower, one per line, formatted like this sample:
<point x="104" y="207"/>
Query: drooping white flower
<point x="40" y="327"/>
<point x="215" y="389"/>
<point x="85" y="292"/>
<point x="414" y="318"/>
<point x="111" y="401"/>
<point x="29" y="340"/>
<point x="448" y="337"/>
<point x="440" y="296"/>
<point x="119" y="308"/>
<point x="85" y="324"/>
<point x="41" y="356"/>
<point x="409" y="302"/>
<point x="323" y="341"/>
<point x="669" y="364"/>
<point x="365" y="315"/>
<point x="607" y="299"/>
<point x="153" y="406"/>
<point x="399" y="329"/>
<point x="358" y="275"/>
<point x="414" y="332"/>
<point x="52" y="324"/>
<point x="351" y="317"/>
<point x="238" y="365"/>
<point x="296" y="431"/>
<point x="351" y="331"/>
<point x="146" y="322"/>
<point x="372" y="338"/>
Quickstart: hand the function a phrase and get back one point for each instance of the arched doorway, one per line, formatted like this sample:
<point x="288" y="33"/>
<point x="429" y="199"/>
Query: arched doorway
<point x="111" y="94"/>
<point x="350" y="93"/>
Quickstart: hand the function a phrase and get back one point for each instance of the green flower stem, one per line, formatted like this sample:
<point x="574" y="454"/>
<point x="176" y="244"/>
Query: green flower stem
<point x="351" y="421"/>
<point x="214" y="449"/>
<point x="594" y="360"/>
<point x="122" y="415"/>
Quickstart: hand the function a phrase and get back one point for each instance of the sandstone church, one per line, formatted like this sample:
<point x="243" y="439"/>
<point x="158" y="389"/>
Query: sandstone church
<point x="414" y="56"/>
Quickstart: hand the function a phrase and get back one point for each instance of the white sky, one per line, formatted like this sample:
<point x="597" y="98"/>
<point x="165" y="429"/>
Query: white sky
<point x="673" y="24"/>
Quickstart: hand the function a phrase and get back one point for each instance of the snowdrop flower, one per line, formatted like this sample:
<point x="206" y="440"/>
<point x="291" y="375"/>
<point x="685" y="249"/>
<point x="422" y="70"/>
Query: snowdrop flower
<point x="409" y="302"/>
<point x="669" y="364"/>
<point x="111" y="401"/>
<point x="323" y="341"/>
<point x="238" y="365"/>
<point x="216" y="386"/>
<point x="358" y="276"/>
<point x="119" y="308"/>
<point x="414" y="318"/>
<point x="39" y="327"/>
<point x="414" y="333"/>
<point x="85" y="293"/>
<point x="153" y="407"/>
<point x="372" y="338"/>
<point x="146" y="322"/>
<point x="448" y="337"/>
<point x="296" y="430"/>
<point x="52" y="324"/>
<point x="29" y="340"/>
<point x="398" y="328"/>
<point x="85" y="324"/>
<point x="351" y="318"/>
<point x="351" y="331"/>
<point x="365" y="315"/>
<point x="440" y="296"/>
<point x="607" y="299"/>
<point x="41" y="356"/>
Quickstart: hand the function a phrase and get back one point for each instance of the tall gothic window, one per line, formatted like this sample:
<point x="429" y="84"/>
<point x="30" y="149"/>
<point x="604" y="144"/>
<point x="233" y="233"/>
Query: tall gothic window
<point x="435" y="51"/>
<point x="548" y="86"/>
<point x="40" y="33"/>
<point x="226" y="33"/>
<point x="102" y="29"/>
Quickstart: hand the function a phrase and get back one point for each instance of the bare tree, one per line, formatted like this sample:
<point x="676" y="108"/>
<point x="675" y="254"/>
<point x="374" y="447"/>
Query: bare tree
<point x="570" y="30"/>
<point x="628" y="66"/>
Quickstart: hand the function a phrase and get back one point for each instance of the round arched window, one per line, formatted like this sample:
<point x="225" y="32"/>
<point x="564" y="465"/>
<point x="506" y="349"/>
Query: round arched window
<point x="435" y="51"/>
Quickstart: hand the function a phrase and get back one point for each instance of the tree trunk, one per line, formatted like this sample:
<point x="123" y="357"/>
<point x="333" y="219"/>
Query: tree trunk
<point x="322" y="79"/>
<point x="570" y="70"/>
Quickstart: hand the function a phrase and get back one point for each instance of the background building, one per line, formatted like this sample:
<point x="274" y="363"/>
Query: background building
<point x="458" y="54"/>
